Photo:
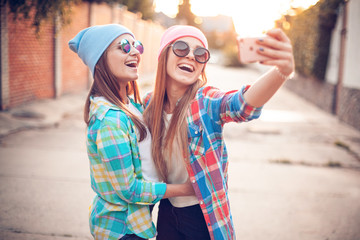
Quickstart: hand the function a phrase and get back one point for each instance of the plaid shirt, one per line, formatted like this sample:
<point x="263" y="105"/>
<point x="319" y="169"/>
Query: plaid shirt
<point x="208" y="113"/>
<point x="122" y="196"/>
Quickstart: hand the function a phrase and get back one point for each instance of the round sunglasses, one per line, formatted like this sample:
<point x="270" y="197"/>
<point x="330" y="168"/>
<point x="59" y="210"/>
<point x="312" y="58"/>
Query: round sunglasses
<point x="126" y="46"/>
<point x="182" y="49"/>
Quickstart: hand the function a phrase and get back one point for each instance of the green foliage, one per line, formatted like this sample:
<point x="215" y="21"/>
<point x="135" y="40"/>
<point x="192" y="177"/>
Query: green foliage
<point x="230" y="51"/>
<point x="310" y="33"/>
<point x="184" y="14"/>
<point x="145" y="7"/>
<point x="231" y="55"/>
<point x="47" y="10"/>
<point x="42" y="10"/>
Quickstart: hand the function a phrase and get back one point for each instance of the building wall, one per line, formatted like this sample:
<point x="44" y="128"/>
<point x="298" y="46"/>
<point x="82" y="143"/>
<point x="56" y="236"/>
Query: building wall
<point x="31" y="62"/>
<point x="74" y="73"/>
<point x="42" y="66"/>
<point x="351" y="76"/>
<point x="323" y="93"/>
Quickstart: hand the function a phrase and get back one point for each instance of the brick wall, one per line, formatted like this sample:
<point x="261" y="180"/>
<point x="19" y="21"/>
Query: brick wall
<point x="30" y="60"/>
<point x="74" y="72"/>
<point x="32" y="71"/>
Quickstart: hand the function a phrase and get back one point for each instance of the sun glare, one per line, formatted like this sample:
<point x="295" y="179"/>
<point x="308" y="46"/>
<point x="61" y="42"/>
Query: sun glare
<point x="251" y="18"/>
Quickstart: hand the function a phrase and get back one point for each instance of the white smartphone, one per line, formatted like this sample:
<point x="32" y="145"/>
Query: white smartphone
<point x="248" y="50"/>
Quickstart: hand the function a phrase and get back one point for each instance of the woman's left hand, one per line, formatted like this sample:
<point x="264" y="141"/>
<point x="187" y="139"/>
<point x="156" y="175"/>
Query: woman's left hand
<point x="278" y="47"/>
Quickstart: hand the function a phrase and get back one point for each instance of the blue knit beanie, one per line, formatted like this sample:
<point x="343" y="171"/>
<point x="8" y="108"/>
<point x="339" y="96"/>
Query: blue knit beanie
<point x="90" y="43"/>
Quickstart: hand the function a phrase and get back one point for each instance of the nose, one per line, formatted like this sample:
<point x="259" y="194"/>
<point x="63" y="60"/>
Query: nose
<point x="134" y="51"/>
<point x="191" y="55"/>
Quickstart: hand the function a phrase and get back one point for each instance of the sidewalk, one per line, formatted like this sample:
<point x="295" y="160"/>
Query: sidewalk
<point x="47" y="112"/>
<point x="40" y="114"/>
<point x="293" y="174"/>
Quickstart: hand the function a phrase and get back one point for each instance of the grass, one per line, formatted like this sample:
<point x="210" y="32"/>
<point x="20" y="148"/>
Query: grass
<point x="332" y="164"/>
<point x="343" y="145"/>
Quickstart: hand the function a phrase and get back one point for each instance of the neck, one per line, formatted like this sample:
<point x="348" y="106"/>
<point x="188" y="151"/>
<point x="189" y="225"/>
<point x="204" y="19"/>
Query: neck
<point x="174" y="94"/>
<point x="123" y="94"/>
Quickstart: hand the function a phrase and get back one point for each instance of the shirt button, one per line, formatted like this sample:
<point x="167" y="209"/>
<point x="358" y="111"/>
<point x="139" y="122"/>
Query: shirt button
<point x="193" y="181"/>
<point x="196" y="132"/>
<point x="208" y="224"/>
<point x="201" y="202"/>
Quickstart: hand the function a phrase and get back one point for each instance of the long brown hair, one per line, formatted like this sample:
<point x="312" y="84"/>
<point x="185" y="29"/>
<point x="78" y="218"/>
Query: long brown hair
<point x="154" y="117"/>
<point x="107" y="85"/>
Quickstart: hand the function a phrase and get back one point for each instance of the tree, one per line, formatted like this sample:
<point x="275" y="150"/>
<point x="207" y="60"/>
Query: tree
<point x="145" y="7"/>
<point x="44" y="10"/>
<point x="184" y="14"/>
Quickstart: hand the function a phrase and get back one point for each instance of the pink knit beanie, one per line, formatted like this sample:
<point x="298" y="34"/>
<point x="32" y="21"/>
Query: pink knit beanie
<point x="178" y="31"/>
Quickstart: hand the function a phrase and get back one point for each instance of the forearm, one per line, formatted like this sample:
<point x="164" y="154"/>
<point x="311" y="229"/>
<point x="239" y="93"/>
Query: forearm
<point x="264" y="88"/>
<point x="176" y="190"/>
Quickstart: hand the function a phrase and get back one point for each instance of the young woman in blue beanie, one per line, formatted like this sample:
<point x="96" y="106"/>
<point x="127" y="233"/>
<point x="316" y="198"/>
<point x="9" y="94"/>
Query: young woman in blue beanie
<point x="122" y="172"/>
<point x="186" y="120"/>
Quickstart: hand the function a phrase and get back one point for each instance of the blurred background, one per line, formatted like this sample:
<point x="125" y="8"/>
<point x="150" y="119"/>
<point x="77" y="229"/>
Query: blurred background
<point x="293" y="173"/>
<point x="36" y="62"/>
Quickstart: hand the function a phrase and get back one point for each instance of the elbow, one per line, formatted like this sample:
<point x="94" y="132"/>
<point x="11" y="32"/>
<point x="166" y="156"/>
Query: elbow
<point x="128" y="194"/>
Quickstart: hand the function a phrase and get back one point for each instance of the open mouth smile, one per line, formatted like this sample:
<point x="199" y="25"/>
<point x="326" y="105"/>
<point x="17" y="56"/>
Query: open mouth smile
<point x="186" y="67"/>
<point x="132" y="64"/>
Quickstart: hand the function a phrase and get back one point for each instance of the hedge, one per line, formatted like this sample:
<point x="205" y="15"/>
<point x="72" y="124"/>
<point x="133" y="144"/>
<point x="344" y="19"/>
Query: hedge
<point x="310" y="33"/>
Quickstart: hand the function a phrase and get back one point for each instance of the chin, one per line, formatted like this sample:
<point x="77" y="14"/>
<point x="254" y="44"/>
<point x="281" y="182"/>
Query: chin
<point x="187" y="81"/>
<point x="133" y="78"/>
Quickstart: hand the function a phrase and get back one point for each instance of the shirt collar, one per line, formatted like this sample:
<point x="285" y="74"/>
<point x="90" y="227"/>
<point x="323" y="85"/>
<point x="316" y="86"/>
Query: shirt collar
<point x="99" y="106"/>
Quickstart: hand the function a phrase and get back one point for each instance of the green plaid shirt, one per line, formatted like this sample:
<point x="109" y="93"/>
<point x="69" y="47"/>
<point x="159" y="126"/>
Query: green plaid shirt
<point x="122" y="196"/>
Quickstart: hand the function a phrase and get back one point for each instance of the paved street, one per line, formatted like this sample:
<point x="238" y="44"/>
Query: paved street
<point x="293" y="174"/>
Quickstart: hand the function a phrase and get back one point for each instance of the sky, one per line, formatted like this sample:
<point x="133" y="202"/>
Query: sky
<point x="251" y="17"/>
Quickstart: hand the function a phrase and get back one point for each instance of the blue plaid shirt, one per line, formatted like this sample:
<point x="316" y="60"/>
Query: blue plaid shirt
<point x="208" y="168"/>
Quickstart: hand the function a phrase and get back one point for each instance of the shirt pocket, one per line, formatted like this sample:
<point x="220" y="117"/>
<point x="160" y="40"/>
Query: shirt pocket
<point x="196" y="143"/>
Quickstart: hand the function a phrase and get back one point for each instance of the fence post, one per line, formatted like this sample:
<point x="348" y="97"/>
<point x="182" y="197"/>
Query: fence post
<point x="4" y="61"/>
<point x="339" y="83"/>
<point x="57" y="59"/>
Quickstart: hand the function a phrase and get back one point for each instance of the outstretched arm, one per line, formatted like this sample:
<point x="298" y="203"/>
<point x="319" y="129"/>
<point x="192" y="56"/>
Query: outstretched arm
<point x="278" y="47"/>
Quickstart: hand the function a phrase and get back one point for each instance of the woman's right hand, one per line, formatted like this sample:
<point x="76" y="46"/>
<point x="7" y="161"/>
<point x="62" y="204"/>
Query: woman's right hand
<point x="278" y="47"/>
<point x="188" y="188"/>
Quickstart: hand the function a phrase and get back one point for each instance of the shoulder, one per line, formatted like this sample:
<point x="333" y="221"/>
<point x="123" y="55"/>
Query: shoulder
<point x="147" y="98"/>
<point x="116" y="118"/>
<point x="208" y="92"/>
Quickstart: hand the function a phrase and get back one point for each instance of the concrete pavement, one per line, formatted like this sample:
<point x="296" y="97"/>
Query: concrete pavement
<point x="293" y="174"/>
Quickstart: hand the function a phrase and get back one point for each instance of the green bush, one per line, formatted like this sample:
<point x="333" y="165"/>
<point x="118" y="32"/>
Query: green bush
<point x="310" y="33"/>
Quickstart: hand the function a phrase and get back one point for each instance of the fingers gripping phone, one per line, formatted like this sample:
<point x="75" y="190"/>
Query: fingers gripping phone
<point x="247" y="48"/>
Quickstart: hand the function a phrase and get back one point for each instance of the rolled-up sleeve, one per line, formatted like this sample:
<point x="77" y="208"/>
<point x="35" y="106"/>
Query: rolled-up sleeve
<point x="114" y="148"/>
<point x="224" y="107"/>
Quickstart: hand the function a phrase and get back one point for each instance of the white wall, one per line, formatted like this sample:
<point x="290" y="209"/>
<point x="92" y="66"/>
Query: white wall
<point x="351" y="77"/>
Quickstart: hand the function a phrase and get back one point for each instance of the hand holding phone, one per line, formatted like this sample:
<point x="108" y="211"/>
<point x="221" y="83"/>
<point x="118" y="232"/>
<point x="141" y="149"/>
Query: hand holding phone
<point x="247" y="48"/>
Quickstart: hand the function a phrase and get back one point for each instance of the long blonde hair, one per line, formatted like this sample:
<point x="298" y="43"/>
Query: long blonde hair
<point x="107" y="85"/>
<point x="154" y="117"/>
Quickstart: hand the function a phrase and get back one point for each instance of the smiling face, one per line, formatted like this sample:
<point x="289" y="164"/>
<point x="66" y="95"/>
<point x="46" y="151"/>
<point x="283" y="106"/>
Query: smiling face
<point x="184" y="71"/>
<point x="124" y="66"/>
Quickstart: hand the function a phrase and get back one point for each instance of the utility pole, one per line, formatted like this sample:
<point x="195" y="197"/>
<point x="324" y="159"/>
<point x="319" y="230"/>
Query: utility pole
<point x="343" y="33"/>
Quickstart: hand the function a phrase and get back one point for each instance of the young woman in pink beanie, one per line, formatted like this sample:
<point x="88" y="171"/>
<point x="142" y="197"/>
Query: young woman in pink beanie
<point x="118" y="142"/>
<point x="186" y="119"/>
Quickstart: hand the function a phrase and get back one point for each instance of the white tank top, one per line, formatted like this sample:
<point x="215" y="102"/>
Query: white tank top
<point x="147" y="164"/>
<point x="177" y="172"/>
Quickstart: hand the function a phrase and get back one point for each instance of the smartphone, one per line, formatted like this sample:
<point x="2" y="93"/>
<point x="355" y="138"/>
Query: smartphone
<point x="247" y="48"/>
